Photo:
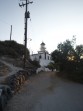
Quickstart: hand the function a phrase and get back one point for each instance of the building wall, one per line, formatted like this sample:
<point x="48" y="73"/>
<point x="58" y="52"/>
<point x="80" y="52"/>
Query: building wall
<point x="43" y="58"/>
<point x="44" y="62"/>
<point x="34" y="57"/>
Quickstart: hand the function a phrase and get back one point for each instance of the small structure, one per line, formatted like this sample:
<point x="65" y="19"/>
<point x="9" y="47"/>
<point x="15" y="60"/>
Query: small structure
<point x="42" y="56"/>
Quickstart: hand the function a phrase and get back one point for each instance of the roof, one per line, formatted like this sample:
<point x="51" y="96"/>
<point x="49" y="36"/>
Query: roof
<point x="33" y="54"/>
<point x="42" y="43"/>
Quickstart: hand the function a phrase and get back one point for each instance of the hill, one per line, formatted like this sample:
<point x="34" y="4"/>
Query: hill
<point x="12" y="52"/>
<point x="12" y="49"/>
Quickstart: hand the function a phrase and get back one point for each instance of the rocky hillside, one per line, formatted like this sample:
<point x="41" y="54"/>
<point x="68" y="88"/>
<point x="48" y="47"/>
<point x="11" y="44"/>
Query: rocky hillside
<point x="12" y="53"/>
<point x="4" y="70"/>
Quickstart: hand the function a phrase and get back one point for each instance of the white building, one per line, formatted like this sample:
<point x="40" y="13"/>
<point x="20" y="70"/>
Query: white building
<point x="42" y="56"/>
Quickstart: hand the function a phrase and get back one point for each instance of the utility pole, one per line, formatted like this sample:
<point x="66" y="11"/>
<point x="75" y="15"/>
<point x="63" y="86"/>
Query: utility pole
<point x="27" y="15"/>
<point x="11" y="33"/>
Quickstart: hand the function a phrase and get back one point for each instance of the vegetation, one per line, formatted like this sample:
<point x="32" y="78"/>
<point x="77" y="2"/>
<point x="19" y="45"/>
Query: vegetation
<point x="35" y="63"/>
<point x="13" y="49"/>
<point x="69" y="60"/>
<point x="51" y="66"/>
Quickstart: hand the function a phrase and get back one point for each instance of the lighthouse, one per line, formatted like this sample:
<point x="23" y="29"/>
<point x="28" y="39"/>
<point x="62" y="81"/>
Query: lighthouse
<point x="42" y="56"/>
<point x="42" y="47"/>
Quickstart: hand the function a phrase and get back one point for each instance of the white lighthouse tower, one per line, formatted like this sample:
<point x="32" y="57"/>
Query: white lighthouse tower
<point x="42" y="48"/>
<point x="43" y="56"/>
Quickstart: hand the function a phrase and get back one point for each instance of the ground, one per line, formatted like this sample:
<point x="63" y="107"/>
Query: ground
<point x="47" y="92"/>
<point x="4" y="70"/>
<point x="7" y="69"/>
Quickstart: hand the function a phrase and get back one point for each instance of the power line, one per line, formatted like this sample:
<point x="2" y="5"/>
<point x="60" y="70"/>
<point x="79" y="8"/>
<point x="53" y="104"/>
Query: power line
<point x="3" y="21"/>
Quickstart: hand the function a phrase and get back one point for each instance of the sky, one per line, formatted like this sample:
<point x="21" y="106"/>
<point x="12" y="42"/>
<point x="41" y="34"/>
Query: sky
<point x="52" y="21"/>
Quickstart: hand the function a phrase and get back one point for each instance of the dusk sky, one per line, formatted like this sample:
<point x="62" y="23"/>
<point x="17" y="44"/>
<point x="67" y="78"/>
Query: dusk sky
<point x="52" y="21"/>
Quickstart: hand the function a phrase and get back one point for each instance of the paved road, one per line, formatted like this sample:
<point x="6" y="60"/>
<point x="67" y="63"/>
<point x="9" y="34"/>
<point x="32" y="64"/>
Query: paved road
<point x="46" y="92"/>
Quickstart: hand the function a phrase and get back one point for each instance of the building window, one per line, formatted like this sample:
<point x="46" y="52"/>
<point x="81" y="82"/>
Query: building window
<point x="45" y="55"/>
<point x="40" y="57"/>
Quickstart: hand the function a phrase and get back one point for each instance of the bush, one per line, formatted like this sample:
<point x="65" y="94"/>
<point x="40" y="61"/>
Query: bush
<point x="35" y="63"/>
<point x="13" y="49"/>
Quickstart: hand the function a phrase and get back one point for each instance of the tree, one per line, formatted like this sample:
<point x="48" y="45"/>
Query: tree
<point x="56" y="56"/>
<point x="51" y="66"/>
<point x="65" y="48"/>
<point x="63" y="54"/>
<point x="79" y="51"/>
<point x="69" y="59"/>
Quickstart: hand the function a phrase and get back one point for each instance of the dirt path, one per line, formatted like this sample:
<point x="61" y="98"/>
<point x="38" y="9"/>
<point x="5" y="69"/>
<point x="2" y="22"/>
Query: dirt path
<point x="46" y="92"/>
<point x="13" y="70"/>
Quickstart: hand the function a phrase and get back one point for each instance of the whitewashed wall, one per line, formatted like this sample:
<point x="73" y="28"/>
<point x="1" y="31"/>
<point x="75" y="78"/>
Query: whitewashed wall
<point x="43" y="61"/>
